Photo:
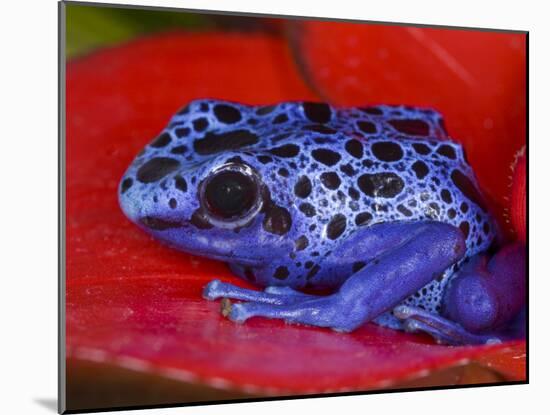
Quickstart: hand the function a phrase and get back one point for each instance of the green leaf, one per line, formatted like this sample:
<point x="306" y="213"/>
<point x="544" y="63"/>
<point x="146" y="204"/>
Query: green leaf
<point x="91" y="27"/>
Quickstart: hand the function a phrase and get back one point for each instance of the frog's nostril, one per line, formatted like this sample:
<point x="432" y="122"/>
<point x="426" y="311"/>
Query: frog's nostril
<point x="125" y="184"/>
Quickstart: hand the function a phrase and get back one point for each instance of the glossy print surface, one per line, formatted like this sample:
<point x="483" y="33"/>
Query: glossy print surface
<point x="332" y="192"/>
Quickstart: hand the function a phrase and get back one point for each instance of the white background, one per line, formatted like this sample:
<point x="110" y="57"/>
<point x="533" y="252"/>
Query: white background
<point x="28" y="203"/>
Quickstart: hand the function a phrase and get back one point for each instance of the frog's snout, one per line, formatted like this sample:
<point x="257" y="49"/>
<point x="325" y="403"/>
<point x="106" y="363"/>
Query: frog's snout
<point x="129" y="205"/>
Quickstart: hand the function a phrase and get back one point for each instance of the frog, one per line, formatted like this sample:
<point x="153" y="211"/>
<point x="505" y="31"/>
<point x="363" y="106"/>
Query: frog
<point x="338" y="215"/>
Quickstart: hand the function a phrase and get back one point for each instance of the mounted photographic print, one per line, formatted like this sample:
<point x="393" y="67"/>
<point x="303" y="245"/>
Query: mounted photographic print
<point x="259" y="207"/>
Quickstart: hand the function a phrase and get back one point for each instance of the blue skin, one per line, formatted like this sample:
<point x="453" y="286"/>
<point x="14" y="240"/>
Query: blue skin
<point x="375" y="205"/>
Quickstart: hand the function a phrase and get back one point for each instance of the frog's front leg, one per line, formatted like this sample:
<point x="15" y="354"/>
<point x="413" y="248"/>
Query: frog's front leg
<point x="409" y="255"/>
<point x="479" y="301"/>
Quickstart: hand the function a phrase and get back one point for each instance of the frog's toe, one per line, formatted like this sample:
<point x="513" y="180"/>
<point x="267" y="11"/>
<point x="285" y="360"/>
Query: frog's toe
<point x="415" y="326"/>
<point x="238" y="313"/>
<point x="441" y="329"/>
<point x="217" y="289"/>
<point x="241" y="312"/>
<point x="212" y="290"/>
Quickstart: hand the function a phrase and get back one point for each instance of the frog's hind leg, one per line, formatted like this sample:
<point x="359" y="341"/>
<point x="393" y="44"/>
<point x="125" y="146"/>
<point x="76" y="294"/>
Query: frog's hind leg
<point x="479" y="301"/>
<point x="271" y="295"/>
<point x="410" y="256"/>
<point x="441" y="329"/>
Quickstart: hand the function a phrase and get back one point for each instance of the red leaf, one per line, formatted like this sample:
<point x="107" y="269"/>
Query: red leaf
<point x="132" y="302"/>
<point x="160" y="324"/>
<point x="476" y="79"/>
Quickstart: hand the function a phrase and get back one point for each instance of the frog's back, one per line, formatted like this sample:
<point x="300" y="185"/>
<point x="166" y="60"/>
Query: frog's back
<point x="371" y="164"/>
<point x="207" y="127"/>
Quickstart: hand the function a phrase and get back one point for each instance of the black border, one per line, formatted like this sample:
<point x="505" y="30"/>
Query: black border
<point x="292" y="397"/>
<point x="61" y="239"/>
<point x="61" y="212"/>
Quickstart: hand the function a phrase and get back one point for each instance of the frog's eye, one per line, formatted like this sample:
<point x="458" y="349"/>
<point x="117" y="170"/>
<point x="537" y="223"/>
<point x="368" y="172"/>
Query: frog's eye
<point x="231" y="194"/>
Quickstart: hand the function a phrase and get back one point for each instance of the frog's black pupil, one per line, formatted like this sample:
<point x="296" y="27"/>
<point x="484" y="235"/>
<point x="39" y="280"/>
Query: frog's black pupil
<point x="230" y="194"/>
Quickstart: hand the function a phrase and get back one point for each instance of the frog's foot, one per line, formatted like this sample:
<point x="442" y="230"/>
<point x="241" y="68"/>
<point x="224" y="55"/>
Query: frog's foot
<point x="271" y="295"/>
<point x="314" y="311"/>
<point x="442" y="330"/>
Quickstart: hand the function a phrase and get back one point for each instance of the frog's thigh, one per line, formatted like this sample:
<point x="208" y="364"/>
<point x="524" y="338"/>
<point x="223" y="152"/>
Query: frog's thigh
<point x="478" y="301"/>
<point x="423" y="251"/>
<point x="489" y="292"/>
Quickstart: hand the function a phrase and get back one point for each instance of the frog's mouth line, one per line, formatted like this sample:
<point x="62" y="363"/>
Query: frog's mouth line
<point x="228" y="258"/>
<point x="159" y="224"/>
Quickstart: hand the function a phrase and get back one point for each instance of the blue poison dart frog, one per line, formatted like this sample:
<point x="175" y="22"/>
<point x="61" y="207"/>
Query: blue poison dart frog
<point x="375" y="207"/>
